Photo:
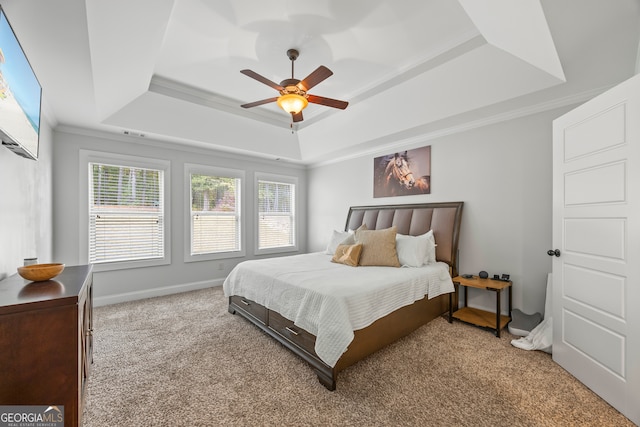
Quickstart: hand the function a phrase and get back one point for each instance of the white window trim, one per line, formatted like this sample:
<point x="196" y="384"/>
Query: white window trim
<point x="285" y="179"/>
<point x="191" y="168"/>
<point x="86" y="157"/>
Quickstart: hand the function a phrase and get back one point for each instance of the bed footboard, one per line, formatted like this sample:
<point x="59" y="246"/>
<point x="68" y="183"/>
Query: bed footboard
<point x="366" y="341"/>
<point x="294" y="338"/>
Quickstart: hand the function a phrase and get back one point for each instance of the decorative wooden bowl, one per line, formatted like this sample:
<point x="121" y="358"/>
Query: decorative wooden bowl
<point x="40" y="272"/>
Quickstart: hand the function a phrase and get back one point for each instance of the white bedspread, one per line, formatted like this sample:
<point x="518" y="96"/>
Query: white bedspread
<point x="332" y="300"/>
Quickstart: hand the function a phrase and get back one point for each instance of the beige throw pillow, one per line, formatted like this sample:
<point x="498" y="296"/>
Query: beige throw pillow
<point x="378" y="247"/>
<point x="348" y="254"/>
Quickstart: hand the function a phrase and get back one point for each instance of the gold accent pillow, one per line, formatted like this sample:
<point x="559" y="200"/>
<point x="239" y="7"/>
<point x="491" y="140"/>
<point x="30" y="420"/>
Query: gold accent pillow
<point x="378" y="247"/>
<point x="348" y="254"/>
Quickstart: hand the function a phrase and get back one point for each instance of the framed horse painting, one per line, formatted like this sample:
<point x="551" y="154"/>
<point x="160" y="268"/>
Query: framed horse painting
<point x="403" y="173"/>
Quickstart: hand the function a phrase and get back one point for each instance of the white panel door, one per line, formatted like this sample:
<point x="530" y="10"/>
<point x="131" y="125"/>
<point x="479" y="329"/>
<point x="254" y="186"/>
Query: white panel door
<point x="596" y="227"/>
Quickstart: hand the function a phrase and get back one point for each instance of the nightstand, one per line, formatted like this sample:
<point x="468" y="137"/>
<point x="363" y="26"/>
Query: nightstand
<point x="481" y="318"/>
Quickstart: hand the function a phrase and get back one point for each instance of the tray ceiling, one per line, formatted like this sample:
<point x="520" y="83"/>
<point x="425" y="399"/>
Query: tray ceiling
<point x="169" y="69"/>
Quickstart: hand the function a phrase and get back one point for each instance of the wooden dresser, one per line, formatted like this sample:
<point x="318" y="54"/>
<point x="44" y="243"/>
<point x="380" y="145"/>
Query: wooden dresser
<point x="46" y="340"/>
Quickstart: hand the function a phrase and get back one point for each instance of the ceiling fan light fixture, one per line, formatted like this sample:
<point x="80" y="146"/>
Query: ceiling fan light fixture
<point x="292" y="103"/>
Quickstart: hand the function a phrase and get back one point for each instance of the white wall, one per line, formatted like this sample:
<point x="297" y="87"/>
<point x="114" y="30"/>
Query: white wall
<point x="502" y="172"/>
<point x="121" y="285"/>
<point x="25" y="206"/>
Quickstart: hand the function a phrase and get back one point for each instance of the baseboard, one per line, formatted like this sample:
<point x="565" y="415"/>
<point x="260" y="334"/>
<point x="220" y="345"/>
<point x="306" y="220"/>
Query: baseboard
<point x="155" y="292"/>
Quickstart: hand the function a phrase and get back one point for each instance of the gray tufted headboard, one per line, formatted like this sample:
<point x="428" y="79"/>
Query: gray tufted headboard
<point x="414" y="220"/>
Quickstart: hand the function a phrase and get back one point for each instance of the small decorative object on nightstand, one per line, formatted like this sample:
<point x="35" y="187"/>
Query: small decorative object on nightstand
<point x="484" y="319"/>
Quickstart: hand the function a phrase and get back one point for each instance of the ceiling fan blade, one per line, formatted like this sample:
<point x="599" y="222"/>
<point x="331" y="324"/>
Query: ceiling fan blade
<point x="297" y="117"/>
<point x="256" y="103"/>
<point x="261" y="79"/>
<point x="320" y="74"/>
<point x="335" y="103"/>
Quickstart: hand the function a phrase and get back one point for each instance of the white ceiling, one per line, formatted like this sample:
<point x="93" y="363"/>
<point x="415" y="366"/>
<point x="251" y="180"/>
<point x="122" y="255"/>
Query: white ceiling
<point x="169" y="69"/>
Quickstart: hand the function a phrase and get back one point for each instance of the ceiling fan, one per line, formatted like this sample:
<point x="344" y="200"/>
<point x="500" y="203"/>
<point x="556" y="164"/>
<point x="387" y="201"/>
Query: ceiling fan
<point x="293" y="92"/>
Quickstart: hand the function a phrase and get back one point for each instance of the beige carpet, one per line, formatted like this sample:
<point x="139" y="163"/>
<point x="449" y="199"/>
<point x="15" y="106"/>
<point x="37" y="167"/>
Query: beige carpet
<point x="183" y="360"/>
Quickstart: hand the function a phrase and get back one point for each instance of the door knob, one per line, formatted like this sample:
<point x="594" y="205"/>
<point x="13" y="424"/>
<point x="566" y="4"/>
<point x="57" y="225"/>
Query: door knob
<point x="552" y="252"/>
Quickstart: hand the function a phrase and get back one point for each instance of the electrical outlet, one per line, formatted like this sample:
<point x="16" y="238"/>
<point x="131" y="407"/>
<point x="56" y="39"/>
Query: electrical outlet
<point x="221" y="266"/>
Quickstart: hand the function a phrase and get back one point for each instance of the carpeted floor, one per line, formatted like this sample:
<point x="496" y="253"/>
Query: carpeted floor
<point x="183" y="360"/>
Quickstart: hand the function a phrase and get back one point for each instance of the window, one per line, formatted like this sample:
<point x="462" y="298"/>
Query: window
<point x="276" y="213"/>
<point x="215" y="220"/>
<point x="125" y="213"/>
<point x="126" y="223"/>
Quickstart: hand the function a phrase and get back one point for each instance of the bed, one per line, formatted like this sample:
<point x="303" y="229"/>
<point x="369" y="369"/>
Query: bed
<point x="342" y="323"/>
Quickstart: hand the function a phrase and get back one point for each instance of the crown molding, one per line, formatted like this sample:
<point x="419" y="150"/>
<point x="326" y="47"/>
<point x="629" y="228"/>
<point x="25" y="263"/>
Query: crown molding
<point x="391" y="145"/>
<point x="194" y="95"/>
<point x="405" y="143"/>
<point x="195" y="147"/>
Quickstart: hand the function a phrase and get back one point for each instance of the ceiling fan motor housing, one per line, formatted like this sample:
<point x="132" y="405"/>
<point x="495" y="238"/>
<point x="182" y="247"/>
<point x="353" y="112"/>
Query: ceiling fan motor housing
<point x="292" y="86"/>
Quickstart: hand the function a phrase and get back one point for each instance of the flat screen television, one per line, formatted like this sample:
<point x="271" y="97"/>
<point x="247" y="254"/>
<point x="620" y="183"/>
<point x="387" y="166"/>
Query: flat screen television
<point x="20" y="96"/>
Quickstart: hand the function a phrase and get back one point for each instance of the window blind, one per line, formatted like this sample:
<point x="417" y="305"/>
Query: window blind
<point x="215" y="214"/>
<point x="126" y="213"/>
<point x="276" y="222"/>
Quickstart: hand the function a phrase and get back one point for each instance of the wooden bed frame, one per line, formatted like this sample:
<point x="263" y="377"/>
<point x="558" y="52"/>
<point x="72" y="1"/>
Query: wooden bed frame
<point x="411" y="219"/>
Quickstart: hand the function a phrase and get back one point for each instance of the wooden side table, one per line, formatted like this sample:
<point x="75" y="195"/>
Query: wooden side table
<point x="484" y="319"/>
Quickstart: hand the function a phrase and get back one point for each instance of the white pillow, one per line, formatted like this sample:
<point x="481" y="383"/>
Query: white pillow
<point x="339" y="238"/>
<point x="431" y="248"/>
<point x="412" y="250"/>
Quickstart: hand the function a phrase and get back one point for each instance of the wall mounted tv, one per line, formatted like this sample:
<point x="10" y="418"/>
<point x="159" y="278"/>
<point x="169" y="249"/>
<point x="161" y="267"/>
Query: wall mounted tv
<point x="20" y="96"/>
